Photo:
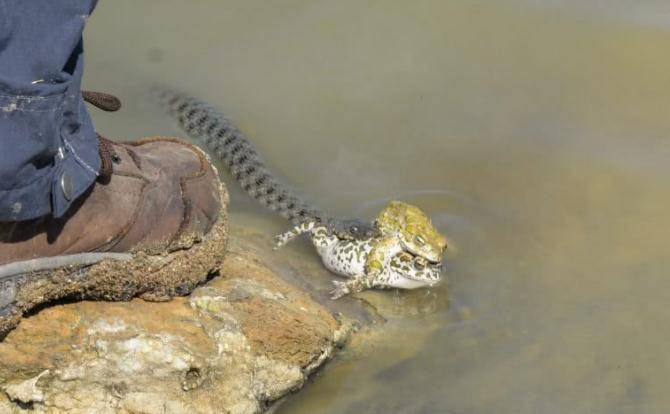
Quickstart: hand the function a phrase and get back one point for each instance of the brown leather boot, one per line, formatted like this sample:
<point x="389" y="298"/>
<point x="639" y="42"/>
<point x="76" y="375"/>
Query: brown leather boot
<point x="153" y="226"/>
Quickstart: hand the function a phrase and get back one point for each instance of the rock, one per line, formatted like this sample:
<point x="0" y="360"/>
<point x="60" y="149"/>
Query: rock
<point x="25" y="392"/>
<point x="235" y="345"/>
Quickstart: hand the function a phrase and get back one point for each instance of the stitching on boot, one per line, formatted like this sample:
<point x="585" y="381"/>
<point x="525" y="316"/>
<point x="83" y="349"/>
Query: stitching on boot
<point x="136" y="158"/>
<point x="183" y="181"/>
<point x="124" y="231"/>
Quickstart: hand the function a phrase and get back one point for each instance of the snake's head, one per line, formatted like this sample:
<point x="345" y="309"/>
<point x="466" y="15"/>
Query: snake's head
<point x="414" y="229"/>
<point x="353" y="229"/>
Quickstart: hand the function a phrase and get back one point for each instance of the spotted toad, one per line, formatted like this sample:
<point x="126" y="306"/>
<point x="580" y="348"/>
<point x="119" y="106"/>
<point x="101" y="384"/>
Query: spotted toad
<point x="404" y="252"/>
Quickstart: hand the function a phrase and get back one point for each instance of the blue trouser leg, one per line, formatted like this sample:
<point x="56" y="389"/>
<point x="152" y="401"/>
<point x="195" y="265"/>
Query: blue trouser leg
<point x="48" y="147"/>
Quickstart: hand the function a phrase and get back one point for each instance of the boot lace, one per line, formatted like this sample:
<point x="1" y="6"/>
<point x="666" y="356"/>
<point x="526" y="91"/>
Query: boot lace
<point x="108" y="156"/>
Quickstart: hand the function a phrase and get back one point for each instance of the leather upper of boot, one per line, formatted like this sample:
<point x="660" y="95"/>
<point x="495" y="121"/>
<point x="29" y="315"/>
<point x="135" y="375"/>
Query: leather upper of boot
<point x="158" y="194"/>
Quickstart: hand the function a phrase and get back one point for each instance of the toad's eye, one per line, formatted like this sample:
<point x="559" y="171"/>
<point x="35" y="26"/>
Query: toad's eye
<point x="419" y="240"/>
<point x="354" y="229"/>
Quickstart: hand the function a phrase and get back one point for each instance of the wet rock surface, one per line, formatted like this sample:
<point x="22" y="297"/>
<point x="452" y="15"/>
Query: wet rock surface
<point x="235" y="345"/>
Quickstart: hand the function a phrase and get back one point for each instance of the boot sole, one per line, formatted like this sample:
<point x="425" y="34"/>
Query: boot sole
<point x="154" y="276"/>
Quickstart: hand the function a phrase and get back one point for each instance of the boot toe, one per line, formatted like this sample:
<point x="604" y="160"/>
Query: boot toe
<point x="187" y="190"/>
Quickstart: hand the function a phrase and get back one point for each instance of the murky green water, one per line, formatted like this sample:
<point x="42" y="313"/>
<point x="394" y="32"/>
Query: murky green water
<point x="534" y="132"/>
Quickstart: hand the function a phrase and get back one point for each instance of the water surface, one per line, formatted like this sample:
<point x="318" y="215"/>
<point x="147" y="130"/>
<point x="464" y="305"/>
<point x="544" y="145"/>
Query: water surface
<point x="534" y="132"/>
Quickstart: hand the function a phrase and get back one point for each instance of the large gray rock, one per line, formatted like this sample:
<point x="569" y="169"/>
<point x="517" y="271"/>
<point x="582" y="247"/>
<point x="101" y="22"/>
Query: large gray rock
<point x="235" y="345"/>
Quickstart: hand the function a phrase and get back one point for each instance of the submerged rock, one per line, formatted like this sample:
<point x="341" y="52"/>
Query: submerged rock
<point x="236" y="344"/>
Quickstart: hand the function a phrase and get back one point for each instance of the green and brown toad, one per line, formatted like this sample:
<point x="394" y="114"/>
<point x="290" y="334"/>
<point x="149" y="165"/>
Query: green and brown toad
<point x="406" y="251"/>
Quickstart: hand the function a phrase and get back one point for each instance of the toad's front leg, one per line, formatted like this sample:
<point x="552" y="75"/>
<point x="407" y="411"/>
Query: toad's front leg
<point x="380" y="256"/>
<point x="306" y="227"/>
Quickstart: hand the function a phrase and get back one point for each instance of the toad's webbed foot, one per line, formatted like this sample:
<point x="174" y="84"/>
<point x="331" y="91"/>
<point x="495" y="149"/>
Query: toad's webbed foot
<point x="283" y="238"/>
<point x="341" y="289"/>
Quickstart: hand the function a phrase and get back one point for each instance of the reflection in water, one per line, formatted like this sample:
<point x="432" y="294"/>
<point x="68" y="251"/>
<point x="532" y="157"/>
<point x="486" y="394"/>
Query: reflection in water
<point x="539" y="129"/>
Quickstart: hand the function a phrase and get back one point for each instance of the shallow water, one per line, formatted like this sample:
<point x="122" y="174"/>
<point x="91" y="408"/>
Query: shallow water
<point x="534" y="132"/>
